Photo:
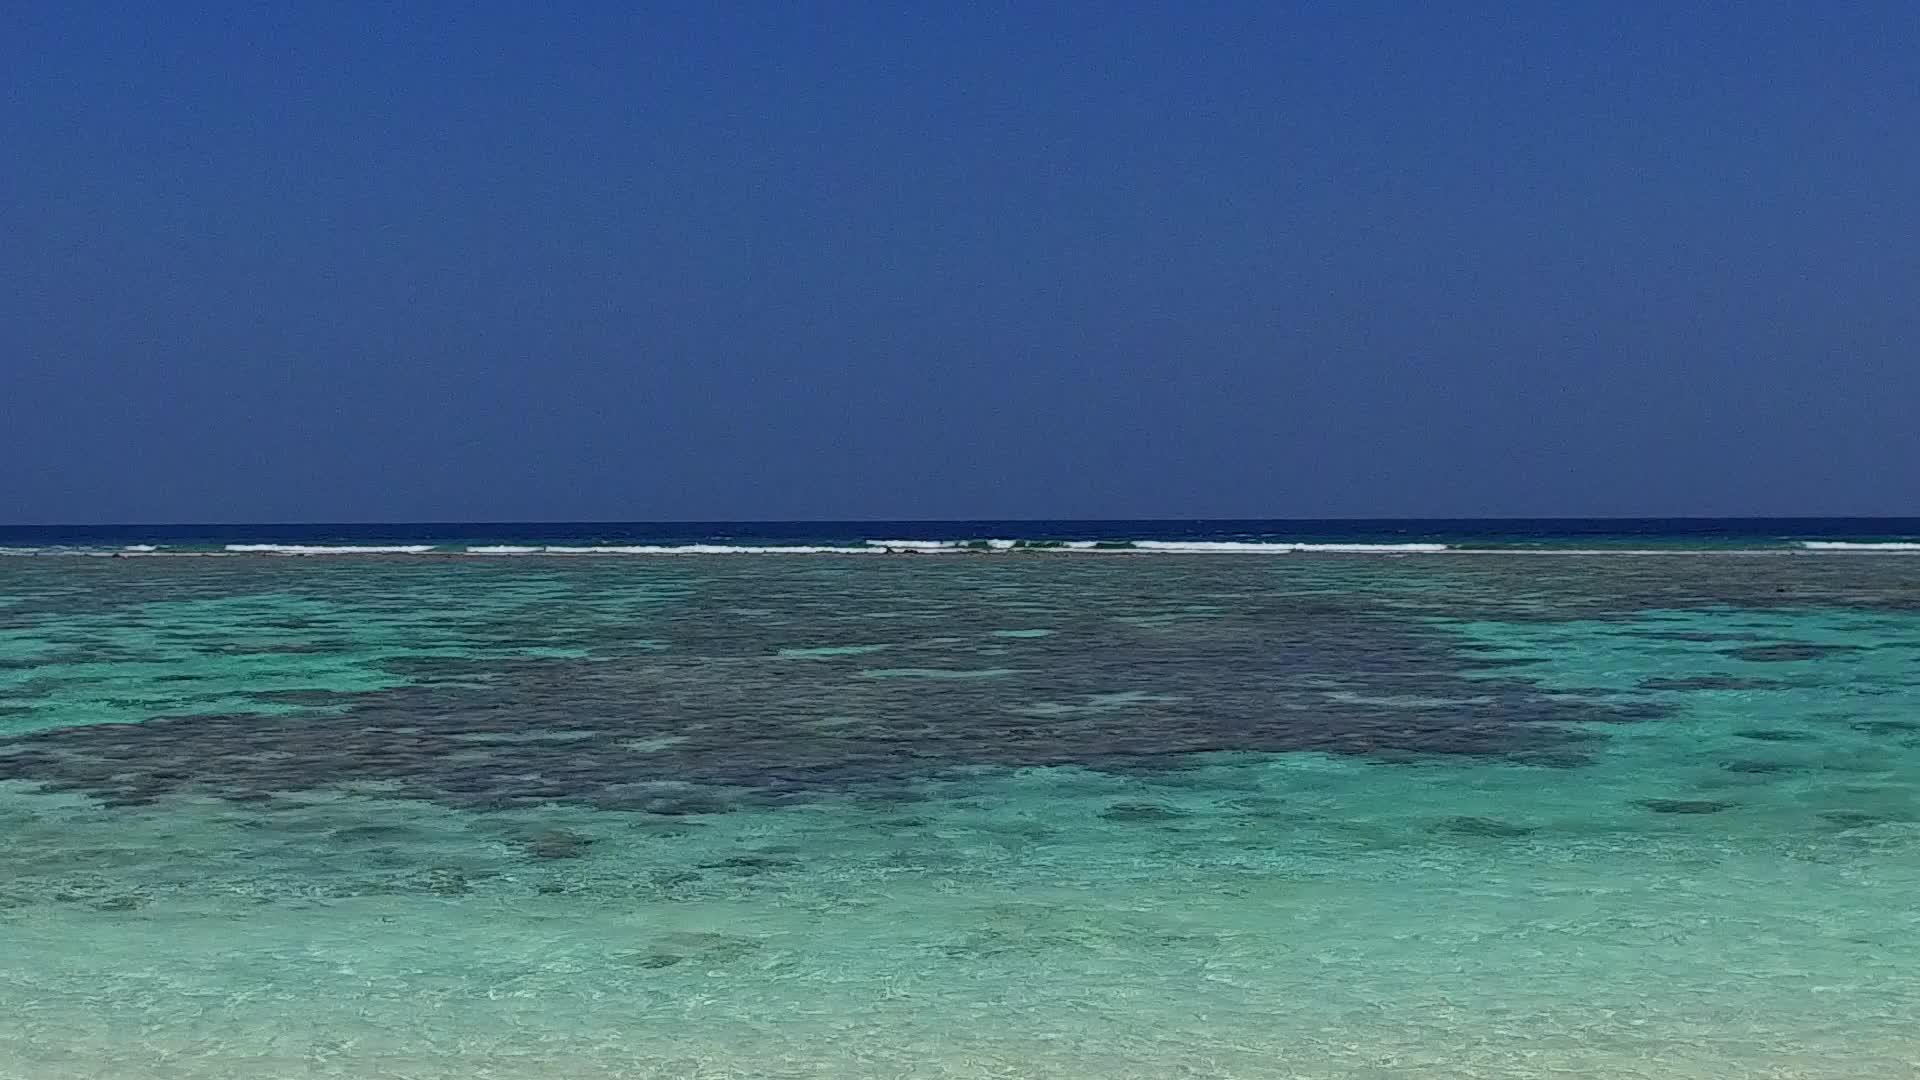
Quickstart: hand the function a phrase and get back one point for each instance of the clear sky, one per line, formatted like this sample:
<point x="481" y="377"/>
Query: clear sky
<point x="682" y="261"/>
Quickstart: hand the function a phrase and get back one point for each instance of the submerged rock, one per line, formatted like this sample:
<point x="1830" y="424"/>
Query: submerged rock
<point x="557" y="844"/>
<point x="656" y="961"/>
<point x="1788" y="650"/>
<point x="1711" y="682"/>
<point x="1775" y="735"/>
<point x="1758" y="766"/>
<point x="750" y="864"/>
<point x="1141" y="812"/>
<point x="1854" y="819"/>
<point x="1467" y="825"/>
<point x="1684" y="806"/>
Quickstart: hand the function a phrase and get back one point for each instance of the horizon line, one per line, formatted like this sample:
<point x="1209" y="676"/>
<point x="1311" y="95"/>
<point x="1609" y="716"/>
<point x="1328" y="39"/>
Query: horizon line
<point x="958" y="520"/>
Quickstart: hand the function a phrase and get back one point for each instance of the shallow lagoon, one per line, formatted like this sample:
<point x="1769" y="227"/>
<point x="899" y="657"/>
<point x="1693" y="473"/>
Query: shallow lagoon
<point x="1314" y="816"/>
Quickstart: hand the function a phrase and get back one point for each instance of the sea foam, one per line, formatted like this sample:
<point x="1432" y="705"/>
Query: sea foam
<point x="1276" y="548"/>
<point x="329" y="549"/>
<point x="683" y="549"/>
<point x="867" y="547"/>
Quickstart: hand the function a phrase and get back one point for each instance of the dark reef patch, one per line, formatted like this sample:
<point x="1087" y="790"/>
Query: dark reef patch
<point x="1758" y="767"/>
<point x="1684" y="806"/>
<point x="1786" y="651"/>
<point x="1141" y="812"/>
<point x="1484" y="826"/>
<point x="1856" y="819"/>
<point x="656" y="961"/>
<point x="1778" y="735"/>
<point x="1713" y="682"/>
<point x="1320" y="655"/>
<point x="1887" y="727"/>
<point x="553" y="844"/>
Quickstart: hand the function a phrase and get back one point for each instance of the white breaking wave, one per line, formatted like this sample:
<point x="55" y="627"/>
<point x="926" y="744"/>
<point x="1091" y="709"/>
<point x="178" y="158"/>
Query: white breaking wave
<point x="140" y="547"/>
<point x="941" y="547"/>
<point x="1264" y="548"/>
<point x="329" y="549"/>
<point x="930" y="545"/>
<point x="996" y="544"/>
<point x="1846" y="545"/>
<point x="688" y="549"/>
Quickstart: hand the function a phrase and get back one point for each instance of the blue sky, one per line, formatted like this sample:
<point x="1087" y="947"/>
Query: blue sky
<point x="690" y="261"/>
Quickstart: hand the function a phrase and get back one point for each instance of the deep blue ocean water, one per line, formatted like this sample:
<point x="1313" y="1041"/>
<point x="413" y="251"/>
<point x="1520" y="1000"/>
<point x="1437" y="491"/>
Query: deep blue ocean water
<point x="1465" y="533"/>
<point x="1607" y="799"/>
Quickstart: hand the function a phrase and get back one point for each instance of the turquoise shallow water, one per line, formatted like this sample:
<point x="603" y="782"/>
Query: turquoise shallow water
<point x="1077" y="816"/>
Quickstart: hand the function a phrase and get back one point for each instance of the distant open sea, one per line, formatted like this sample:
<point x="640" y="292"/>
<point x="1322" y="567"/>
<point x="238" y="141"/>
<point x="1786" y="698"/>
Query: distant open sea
<point x="709" y="537"/>
<point x="1116" y="800"/>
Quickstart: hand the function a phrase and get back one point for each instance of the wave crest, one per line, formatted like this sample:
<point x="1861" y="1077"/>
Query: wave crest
<point x="329" y="549"/>
<point x="1263" y="547"/>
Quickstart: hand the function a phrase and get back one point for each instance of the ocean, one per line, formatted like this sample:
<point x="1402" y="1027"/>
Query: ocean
<point x="1384" y="800"/>
<point x="870" y="537"/>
